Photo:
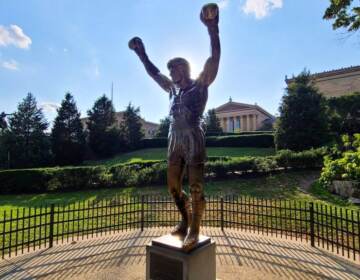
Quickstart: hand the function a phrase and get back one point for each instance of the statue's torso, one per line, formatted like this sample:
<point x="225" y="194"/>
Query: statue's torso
<point x="187" y="106"/>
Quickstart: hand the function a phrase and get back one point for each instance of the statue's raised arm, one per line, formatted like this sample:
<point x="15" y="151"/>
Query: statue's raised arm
<point x="210" y="17"/>
<point x="137" y="45"/>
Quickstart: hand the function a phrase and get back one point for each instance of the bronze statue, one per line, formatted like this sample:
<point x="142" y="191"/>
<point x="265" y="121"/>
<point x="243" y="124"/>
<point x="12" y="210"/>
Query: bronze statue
<point x="186" y="145"/>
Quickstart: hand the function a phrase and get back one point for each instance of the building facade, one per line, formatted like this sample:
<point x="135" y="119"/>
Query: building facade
<point x="336" y="83"/>
<point x="149" y="128"/>
<point x="239" y="117"/>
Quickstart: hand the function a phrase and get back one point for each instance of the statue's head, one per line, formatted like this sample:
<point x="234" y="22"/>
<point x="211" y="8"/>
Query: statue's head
<point x="179" y="69"/>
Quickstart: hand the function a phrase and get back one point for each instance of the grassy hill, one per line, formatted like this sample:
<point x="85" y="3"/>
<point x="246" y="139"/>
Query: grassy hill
<point x="160" y="154"/>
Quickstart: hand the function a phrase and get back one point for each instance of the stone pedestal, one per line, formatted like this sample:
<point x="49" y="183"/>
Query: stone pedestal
<point x="165" y="260"/>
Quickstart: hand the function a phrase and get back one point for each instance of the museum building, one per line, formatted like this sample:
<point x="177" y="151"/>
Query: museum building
<point x="336" y="83"/>
<point x="239" y="117"/>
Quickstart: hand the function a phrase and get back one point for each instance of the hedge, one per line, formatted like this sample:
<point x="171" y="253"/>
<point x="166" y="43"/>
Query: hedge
<point x="145" y="172"/>
<point x="256" y="139"/>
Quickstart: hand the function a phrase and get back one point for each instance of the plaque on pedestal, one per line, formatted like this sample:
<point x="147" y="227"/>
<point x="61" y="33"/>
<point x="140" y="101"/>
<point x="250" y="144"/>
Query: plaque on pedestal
<point x="165" y="259"/>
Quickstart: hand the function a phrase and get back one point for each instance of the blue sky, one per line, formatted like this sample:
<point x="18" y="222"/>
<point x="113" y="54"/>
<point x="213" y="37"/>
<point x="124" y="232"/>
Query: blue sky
<point x="50" y="47"/>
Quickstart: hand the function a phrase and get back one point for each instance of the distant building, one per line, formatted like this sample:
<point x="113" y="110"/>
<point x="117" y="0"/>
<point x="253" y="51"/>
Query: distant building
<point x="149" y="128"/>
<point x="238" y="117"/>
<point x="337" y="82"/>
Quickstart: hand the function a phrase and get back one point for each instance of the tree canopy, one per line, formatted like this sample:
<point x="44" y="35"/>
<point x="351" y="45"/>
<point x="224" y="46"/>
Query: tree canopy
<point x="131" y="127"/>
<point x="67" y="136"/>
<point x="344" y="13"/>
<point x="212" y="123"/>
<point x="103" y="133"/>
<point x="303" y="122"/>
<point x="27" y="141"/>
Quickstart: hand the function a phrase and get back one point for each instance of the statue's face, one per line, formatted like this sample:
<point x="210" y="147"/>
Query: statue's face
<point x="178" y="73"/>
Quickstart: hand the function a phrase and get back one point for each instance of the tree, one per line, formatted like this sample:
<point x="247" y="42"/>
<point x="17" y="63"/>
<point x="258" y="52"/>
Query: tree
<point x="344" y="112"/>
<point x="27" y="141"/>
<point x="303" y="122"/>
<point x="212" y="123"/>
<point x="131" y="127"/>
<point x="104" y="137"/>
<point x="67" y="135"/>
<point x="266" y="125"/>
<point x="164" y="126"/>
<point x="344" y="13"/>
<point x="3" y="123"/>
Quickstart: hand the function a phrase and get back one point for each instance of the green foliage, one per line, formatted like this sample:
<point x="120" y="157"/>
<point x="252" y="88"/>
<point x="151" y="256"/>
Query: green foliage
<point x="27" y="142"/>
<point x="344" y="114"/>
<point x="212" y="123"/>
<point x="104" y="138"/>
<point x="344" y="14"/>
<point x="3" y="123"/>
<point x="67" y="135"/>
<point x="303" y="122"/>
<point x="251" y="140"/>
<point x="141" y="173"/>
<point x="164" y="126"/>
<point x="344" y="163"/>
<point x="131" y="127"/>
<point x="312" y="158"/>
<point x="267" y="125"/>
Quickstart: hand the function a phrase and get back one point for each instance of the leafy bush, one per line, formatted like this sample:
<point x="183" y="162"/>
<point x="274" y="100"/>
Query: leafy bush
<point x="343" y="165"/>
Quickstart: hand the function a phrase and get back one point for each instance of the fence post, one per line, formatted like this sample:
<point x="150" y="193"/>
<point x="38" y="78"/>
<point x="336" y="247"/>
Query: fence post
<point x="142" y="212"/>
<point x="222" y="213"/>
<point x="51" y="231"/>
<point x="312" y="229"/>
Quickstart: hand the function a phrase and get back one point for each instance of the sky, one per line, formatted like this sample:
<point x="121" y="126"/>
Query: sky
<point x="52" y="47"/>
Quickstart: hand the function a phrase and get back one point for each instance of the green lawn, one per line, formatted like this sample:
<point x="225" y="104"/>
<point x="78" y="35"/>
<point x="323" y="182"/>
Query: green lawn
<point x="160" y="153"/>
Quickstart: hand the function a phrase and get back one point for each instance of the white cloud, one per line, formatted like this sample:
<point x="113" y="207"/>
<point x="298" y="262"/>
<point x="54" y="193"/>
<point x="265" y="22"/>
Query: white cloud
<point x="14" y="35"/>
<point x="49" y="107"/>
<point x="10" y="65"/>
<point x="223" y="4"/>
<point x="261" y="8"/>
<point x="96" y="71"/>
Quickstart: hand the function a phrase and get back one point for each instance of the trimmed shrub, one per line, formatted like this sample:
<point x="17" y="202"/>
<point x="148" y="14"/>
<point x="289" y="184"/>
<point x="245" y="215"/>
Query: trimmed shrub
<point x="255" y="140"/>
<point x="312" y="158"/>
<point x="141" y="173"/>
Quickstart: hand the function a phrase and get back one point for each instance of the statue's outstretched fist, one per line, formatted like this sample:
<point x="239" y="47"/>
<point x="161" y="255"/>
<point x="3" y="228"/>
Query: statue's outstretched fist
<point x="137" y="45"/>
<point x="210" y="14"/>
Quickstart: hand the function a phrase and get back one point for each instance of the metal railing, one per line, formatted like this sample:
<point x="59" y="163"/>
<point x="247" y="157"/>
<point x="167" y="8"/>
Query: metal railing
<point x="332" y="228"/>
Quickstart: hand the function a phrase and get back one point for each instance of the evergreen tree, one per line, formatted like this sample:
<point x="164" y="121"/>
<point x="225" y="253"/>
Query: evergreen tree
<point x="212" y="123"/>
<point x="303" y="123"/>
<point x="27" y="141"/>
<point x="67" y="135"/>
<point x="131" y="127"/>
<point x="164" y="126"/>
<point x="104" y="137"/>
<point x="3" y="123"/>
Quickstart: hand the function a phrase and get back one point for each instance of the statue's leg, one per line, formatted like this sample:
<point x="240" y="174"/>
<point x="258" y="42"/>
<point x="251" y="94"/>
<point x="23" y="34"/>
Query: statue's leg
<point x="196" y="181"/>
<point x="175" y="174"/>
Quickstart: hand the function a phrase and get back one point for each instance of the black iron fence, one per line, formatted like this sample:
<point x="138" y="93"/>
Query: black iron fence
<point x="332" y="228"/>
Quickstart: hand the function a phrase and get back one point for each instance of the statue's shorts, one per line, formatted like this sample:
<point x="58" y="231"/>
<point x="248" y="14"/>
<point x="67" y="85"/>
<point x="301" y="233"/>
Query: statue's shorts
<point x="186" y="146"/>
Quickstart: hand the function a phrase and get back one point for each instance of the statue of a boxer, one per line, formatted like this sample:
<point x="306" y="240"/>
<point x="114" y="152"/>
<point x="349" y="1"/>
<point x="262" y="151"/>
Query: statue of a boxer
<point x="186" y="146"/>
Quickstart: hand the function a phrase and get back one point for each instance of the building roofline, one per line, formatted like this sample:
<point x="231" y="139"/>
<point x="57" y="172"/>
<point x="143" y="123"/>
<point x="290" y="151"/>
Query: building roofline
<point x="334" y="72"/>
<point x="244" y="104"/>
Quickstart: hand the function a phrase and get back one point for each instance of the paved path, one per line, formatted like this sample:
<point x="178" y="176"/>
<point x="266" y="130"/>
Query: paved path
<point x="240" y="255"/>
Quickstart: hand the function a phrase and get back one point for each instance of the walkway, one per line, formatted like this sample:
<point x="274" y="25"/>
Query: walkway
<point x="240" y="255"/>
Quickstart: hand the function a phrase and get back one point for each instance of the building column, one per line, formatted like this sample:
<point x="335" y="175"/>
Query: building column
<point x="248" y="122"/>
<point x="224" y="125"/>
<point x="255" y="122"/>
